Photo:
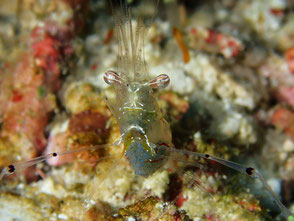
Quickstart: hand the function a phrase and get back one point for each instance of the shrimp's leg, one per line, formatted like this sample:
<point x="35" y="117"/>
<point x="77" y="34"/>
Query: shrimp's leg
<point x="189" y="178"/>
<point x="250" y="171"/>
<point x="19" y="166"/>
<point x="92" y="195"/>
<point x="109" y="104"/>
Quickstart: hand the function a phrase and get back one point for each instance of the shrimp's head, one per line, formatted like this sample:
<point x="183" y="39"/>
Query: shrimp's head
<point x="135" y="94"/>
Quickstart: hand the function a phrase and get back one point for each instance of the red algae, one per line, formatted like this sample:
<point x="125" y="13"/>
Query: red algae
<point x="48" y="52"/>
<point x="179" y="36"/>
<point x="51" y="47"/>
<point x="33" y="120"/>
<point x="28" y="87"/>
<point x="16" y="96"/>
<point x="180" y="200"/>
<point x="216" y="42"/>
<point x="289" y="55"/>
<point x="26" y="114"/>
<point x="108" y="36"/>
<point x="284" y="119"/>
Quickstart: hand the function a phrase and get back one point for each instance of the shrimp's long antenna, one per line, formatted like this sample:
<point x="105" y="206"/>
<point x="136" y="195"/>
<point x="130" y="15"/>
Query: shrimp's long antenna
<point x="155" y="12"/>
<point x="250" y="171"/>
<point x="17" y="167"/>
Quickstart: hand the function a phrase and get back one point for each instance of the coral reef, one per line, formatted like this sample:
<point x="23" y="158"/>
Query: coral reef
<point x="230" y="95"/>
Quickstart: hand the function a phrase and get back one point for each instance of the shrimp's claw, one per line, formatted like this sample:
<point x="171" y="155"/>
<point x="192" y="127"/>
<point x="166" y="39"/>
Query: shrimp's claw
<point x="250" y="171"/>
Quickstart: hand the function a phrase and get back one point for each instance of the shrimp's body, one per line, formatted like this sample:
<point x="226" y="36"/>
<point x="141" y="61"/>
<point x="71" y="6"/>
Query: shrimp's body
<point x="142" y="126"/>
<point x="135" y="108"/>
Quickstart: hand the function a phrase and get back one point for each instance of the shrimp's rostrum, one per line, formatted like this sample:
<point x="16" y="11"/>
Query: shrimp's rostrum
<point x="145" y="134"/>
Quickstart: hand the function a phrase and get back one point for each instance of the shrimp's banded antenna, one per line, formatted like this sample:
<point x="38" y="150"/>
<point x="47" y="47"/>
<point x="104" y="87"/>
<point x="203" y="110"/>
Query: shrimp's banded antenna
<point x="13" y="168"/>
<point x="20" y="166"/>
<point x="250" y="171"/>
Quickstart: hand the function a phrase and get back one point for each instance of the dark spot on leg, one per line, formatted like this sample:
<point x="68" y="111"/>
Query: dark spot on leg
<point x="11" y="168"/>
<point x="249" y="170"/>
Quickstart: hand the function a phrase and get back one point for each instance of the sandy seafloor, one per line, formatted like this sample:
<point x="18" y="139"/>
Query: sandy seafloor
<point x="231" y="68"/>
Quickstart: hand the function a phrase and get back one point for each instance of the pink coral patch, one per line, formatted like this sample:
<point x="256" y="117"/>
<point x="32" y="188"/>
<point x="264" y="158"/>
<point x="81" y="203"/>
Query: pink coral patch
<point x="286" y="94"/>
<point x="290" y="59"/>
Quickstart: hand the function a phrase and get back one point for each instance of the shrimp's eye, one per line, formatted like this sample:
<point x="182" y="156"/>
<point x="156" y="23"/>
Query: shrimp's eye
<point x="161" y="81"/>
<point x="111" y="77"/>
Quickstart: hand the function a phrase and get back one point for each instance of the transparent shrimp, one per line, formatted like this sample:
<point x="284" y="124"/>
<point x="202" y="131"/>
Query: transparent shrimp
<point x="146" y="135"/>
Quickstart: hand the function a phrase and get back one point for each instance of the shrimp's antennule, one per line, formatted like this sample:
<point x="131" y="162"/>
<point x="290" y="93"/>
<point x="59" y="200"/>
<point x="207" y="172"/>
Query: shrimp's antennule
<point x="250" y="171"/>
<point x="17" y="167"/>
<point x="131" y="62"/>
